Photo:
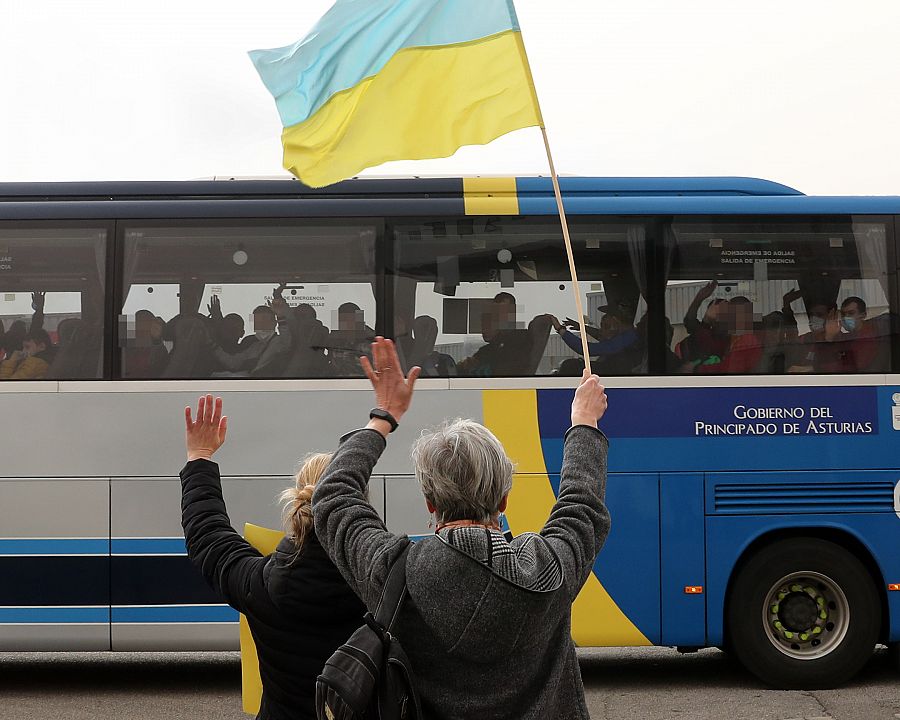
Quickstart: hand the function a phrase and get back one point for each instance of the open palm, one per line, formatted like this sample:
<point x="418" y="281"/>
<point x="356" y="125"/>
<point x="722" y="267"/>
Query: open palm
<point x="205" y="435"/>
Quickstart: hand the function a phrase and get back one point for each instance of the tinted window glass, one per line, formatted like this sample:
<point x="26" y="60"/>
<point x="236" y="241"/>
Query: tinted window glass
<point x="773" y="297"/>
<point x="483" y="296"/>
<point x="51" y="303"/>
<point x="237" y="302"/>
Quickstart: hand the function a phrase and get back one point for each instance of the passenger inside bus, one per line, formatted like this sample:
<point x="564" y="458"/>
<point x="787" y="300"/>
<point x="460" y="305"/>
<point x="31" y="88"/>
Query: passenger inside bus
<point x="859" y="344"/>
<point x="145" y="356"/>
<point x="776" y="340"/>
<point x="228" y="330"/>
<point x="267" y="353"/>
<point x="811" y="351"/>
<point x="508" y="350"/>
<point x="309" y="338"/>
<point x="32" y="362"/>
<point x="707" y="337"/>
<point x="744" y="351"/>
<point x="415" y="345"/>
<point x="616" y="348"/>
<point x="349" y="342"/>
<point x="13" y="338"/>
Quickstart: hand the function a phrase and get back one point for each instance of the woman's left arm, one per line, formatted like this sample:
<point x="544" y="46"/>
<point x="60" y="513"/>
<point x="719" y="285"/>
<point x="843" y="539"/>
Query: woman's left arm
<point x="225" y="559"/>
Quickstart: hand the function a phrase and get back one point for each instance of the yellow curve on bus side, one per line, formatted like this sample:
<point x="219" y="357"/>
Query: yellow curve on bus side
<point x="512" y="416"/>
<point x="264" y="540"/>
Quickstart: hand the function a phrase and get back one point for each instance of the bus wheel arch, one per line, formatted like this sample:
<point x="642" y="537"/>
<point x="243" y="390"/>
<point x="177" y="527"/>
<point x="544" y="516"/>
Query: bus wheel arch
<point x="818" y="569"/>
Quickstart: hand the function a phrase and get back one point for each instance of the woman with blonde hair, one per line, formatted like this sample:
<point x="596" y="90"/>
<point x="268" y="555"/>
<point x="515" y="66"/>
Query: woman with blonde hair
<point x="298" y="606"/>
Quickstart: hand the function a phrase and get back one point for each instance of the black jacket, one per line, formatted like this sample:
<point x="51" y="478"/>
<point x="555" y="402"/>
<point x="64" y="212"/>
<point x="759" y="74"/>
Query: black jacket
<point x="299" y="609"/>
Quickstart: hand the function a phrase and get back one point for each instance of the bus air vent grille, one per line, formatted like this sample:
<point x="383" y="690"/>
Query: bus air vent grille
<point x="799" y="498"/>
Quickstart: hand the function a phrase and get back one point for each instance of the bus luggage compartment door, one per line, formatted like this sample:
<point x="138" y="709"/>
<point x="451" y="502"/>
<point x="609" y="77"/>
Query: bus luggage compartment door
<point x="54" y="561"/>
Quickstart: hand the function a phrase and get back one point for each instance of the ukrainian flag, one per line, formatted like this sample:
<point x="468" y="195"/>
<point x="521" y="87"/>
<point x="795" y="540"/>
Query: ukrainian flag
<point x="380" y="80"/>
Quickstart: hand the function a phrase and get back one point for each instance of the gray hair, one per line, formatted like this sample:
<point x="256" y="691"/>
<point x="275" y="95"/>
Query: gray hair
<point x="464" y="471"/>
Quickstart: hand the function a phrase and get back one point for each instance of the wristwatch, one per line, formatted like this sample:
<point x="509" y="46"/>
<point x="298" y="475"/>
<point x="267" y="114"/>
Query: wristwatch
<point x="384" y="415"/>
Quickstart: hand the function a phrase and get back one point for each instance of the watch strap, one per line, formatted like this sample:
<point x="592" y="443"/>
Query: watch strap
<point x="384" y="415"/>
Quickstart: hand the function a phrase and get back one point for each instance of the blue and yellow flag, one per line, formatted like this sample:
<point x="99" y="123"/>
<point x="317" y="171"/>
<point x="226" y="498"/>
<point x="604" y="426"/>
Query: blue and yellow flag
<point x="380" y="80"/>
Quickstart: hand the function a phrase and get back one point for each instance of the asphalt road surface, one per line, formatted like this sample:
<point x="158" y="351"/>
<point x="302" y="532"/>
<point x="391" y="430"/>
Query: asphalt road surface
<point x="645" y="684"/>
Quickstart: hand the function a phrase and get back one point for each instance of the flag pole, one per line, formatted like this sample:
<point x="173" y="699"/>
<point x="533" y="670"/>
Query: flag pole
<point x="568" y="241"/>
<point x="559" y="201"/>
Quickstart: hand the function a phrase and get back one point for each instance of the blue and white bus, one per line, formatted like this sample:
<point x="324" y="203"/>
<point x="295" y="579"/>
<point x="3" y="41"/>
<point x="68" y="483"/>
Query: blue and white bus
<point x="746" y="332"/>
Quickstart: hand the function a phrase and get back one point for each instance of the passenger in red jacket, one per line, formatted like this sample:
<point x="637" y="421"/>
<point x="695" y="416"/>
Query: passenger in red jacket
<point x="857" y="345"/>
<point x="745" y="350"/>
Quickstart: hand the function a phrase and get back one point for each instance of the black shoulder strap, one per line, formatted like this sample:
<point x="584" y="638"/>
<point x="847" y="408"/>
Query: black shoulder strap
<point x="394" y="591"/>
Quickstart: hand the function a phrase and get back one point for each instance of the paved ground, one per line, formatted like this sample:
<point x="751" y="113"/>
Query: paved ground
<point x="647" y="684"/>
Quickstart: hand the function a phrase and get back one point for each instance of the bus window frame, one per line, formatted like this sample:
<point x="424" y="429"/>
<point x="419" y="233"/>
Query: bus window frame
<point x="108" y="226"/>
<point x="125" y="224"/>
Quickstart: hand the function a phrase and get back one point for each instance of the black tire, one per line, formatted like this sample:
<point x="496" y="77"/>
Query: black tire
<point x="771" y="649"/>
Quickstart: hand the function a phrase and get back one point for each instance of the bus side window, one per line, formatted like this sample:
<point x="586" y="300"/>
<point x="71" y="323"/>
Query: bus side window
<point x="242" y="300"/>
<point x="775" y="297"/>
<point x="51" y="318"/>
<point x="491" y="296"/>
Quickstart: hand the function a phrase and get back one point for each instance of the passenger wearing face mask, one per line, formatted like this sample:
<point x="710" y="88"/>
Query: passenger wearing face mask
<point x="267" y="353"/>
<point x="858" y="348"/>
<point x="813" y="351"/>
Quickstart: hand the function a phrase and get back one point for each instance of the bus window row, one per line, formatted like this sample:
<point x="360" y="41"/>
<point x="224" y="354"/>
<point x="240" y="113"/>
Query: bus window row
<point x="465" y="297"/>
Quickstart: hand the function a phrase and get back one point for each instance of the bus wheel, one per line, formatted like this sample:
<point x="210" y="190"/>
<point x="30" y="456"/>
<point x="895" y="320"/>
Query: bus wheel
<point x="803" y="614"/>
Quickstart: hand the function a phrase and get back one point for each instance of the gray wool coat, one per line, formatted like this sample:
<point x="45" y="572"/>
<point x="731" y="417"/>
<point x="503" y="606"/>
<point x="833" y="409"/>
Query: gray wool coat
<point x="487" y="624"/>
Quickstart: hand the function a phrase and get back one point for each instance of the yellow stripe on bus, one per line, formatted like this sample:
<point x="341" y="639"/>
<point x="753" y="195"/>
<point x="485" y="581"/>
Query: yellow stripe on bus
<point x="512" y="416"/>
<point x="491" y="196"/>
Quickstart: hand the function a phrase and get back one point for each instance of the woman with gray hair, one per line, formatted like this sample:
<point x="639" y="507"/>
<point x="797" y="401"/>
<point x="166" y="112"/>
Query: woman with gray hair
<point x="486" y="623"/>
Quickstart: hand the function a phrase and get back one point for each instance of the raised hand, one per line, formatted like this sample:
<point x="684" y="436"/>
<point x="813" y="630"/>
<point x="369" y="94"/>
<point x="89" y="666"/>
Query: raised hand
<point x="790" y="296"/>
<point x="707" y="290"/>
<point x="590" y="401"/>
<point x="215" y="308"/>
<point x="205" y="435"/>
<point x="572" y="324"/>
<point x="833" y="325"/>
<point x="280" y="307"/>
<point x="37" y="301"/>
<point x="393" y="391"/>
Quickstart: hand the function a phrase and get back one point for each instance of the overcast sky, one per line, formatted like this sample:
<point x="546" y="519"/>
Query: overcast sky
<point x="804" y="92"/>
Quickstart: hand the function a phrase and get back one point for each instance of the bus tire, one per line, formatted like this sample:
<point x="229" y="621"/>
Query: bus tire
<point x="803" y="614"/>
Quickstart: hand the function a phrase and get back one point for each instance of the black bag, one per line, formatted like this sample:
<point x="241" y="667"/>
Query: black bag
<point x="369" y="677"/>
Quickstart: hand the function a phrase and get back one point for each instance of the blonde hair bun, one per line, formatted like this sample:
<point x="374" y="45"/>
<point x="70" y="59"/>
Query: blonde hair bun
<point x="296" y="514"/>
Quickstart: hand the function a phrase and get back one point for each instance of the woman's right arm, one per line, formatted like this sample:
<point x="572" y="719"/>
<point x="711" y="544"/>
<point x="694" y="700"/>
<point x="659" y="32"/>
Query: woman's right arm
<point x="224" y="558"/>
<point x="352" y="533"/>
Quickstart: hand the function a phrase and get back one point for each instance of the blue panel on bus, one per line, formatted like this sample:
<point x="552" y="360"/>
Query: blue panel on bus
<point x="176" y="613"/>
<point x="721" y="204"/>
<point x="628" y="564"/>
<point x="701" y="429"/>
<point x="148" y="546"/>
<point x="54" y="615"/>
<point x="54" y="546"/>
<point x="682" y="550"/>
<point x="653" y="186"/>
